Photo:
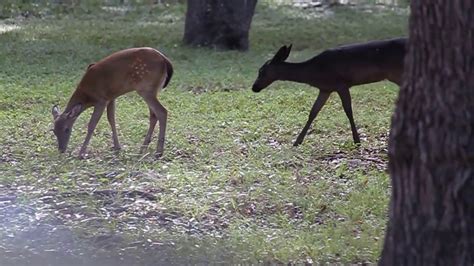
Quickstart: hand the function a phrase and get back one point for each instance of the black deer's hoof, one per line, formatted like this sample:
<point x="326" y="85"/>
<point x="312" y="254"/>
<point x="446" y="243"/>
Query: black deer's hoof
<point x="297" y="143"/>
<point x="117" y="148"/>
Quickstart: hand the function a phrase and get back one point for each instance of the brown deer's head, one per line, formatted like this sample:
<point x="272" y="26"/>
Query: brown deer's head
<point x="63" y="124"/>
<point x="267" y="73"/>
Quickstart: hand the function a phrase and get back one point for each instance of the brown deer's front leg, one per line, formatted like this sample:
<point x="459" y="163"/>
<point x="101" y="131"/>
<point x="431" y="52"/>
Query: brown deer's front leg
<point x="347" y="105"/>
<point x="318" y="104"/>
<point x="98" y="110"/>
<point x="111" y="118"/>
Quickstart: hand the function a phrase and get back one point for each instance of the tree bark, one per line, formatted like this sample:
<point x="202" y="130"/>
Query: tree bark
<point x="221" y="24"/>
<point x="431" y="146"/>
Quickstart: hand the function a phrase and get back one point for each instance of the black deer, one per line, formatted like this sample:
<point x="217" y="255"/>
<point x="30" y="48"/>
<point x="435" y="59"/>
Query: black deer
<point x="337" y="70"/>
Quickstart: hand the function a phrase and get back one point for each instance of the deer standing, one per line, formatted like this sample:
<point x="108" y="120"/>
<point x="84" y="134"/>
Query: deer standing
<point x="337" y="70"/>
<point x="144" y="70"/>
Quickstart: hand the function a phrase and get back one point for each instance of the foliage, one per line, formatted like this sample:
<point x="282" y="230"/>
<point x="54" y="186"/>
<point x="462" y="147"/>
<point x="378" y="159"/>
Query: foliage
<point x="230" y="188"/>
<point x="41" y="8"/>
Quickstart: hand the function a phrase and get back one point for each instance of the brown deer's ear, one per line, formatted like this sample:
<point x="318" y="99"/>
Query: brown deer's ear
<point x="282" y="54"/>
<point x="75" y="111"/>
<point x="55" y="111"/>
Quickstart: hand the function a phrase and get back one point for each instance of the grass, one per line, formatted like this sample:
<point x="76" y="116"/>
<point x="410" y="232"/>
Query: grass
<point x="230" y="188"/>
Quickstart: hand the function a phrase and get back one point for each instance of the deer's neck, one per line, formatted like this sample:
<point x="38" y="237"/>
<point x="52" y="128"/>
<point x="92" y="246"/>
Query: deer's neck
<point x="296" y="72"/>
<point x="76" y="98"/>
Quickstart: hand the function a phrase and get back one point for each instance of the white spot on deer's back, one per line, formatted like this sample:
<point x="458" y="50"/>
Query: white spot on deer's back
<point x="139" y="70"/>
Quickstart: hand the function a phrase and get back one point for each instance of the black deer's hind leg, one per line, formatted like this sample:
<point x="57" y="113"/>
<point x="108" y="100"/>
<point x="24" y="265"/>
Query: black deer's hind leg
<point x="318" y="104"/>
<point x="347" y="105"/>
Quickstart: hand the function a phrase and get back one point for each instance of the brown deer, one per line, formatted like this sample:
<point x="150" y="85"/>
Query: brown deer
<point x="337" y="70"/>
<point x="144" y="70"/>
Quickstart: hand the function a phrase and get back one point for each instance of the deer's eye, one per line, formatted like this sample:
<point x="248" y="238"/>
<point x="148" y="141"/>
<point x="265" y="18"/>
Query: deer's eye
<point x="66" y="130"/>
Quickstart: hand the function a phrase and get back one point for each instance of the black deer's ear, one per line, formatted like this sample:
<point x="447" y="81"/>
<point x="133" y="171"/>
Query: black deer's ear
<point x="282" y="54"/>
<point x="287" y="52"/>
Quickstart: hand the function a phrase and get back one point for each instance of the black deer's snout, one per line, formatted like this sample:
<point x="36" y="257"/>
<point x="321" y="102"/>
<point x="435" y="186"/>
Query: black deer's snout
<point x="255" y="88"/>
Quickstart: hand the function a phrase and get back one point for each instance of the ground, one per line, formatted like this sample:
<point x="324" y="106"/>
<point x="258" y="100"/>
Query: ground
<point x="230" y="188"/>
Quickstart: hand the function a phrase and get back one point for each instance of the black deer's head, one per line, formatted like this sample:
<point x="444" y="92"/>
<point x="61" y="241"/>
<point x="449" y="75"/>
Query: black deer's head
<point x="267" y="73"/>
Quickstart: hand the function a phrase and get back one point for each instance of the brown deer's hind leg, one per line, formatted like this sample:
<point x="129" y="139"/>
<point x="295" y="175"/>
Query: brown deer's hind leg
<point x="149" y="134"/>
<point x="318" y="104"/>
<point x="347" y="105"/>
<point x="111" y="118"/>
<point x="161" y="115"/>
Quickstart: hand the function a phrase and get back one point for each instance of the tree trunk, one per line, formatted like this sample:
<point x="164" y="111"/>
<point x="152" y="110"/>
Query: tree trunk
<point x="221" y="24"/>
<point x="431" y="149"/>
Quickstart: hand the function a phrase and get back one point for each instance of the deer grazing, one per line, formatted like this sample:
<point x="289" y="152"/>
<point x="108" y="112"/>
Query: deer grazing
<point x="337" y="70"/>
<point x="144" y="70"/>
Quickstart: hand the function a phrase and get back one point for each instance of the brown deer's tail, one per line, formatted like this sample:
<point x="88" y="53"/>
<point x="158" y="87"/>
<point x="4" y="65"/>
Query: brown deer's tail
<point x="169" y="70"/>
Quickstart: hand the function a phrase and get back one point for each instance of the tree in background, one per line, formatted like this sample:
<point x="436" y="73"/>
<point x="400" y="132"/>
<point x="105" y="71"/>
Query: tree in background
<point x="221" y="24"/>
<point x="431" y="149"/>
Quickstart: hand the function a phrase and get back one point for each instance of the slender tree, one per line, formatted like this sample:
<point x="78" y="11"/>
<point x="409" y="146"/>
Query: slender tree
<point x="431" y="149"/>
<point x="221" y="24"/>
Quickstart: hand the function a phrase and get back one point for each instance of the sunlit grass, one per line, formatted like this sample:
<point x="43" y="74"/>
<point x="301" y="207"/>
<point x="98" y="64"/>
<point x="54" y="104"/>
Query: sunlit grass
<point x="231" y="187"/>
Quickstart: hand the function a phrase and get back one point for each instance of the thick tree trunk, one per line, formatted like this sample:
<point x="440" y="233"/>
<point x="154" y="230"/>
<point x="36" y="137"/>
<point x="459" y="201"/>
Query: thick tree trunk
<point x="221" y="24"/>
<point x="431" y="149"/>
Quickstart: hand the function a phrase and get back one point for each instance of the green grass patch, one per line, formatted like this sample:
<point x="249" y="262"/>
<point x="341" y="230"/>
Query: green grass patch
<point x="230" y="188"/>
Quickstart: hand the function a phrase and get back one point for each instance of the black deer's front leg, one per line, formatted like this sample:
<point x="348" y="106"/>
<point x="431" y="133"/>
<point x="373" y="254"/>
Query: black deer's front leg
<point x="347" y="105"/>
<point x="318" y="104"/>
